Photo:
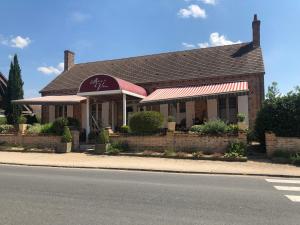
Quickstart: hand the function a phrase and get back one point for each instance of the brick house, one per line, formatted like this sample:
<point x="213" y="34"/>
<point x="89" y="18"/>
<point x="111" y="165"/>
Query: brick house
<point x="193" y="86"/>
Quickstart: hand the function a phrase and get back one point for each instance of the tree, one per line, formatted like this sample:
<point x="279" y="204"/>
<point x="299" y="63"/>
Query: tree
<point x="14" y="92"/>
<point x="273" y="92"/>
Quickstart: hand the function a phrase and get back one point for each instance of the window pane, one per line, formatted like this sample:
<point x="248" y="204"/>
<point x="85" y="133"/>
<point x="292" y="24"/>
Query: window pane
<point x="222" y="109"/>
<point x="232" y="110"/>
<point x="182" y="107"/>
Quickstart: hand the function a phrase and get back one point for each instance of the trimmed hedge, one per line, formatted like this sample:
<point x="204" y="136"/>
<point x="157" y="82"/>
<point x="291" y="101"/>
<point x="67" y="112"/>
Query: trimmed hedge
<point x="146" y="122"/>
<point x="215" y="127"/>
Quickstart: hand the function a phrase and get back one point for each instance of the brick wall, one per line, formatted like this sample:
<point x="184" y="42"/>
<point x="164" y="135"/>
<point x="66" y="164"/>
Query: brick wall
<point x="274" y="143"/>
<point x="180" y="142"/>
<point x="48" y="141"/>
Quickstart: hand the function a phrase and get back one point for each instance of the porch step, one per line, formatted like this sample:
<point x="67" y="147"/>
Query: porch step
<point x="86" y="147"/>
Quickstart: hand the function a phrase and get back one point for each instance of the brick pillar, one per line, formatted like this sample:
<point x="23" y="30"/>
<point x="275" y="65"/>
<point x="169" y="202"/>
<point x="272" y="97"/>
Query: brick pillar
<point x="271" y="142"/>
<point x="242" y="136"/>
<point x="75" y="140"/>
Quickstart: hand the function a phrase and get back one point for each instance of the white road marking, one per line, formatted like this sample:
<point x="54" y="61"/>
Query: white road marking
<point x="283" y="181"/>
<point x="287" y="188"/>
<point x="293" y="198"/>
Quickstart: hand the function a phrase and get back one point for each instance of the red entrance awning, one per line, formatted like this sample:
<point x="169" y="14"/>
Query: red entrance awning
<point x="178" y="93"/>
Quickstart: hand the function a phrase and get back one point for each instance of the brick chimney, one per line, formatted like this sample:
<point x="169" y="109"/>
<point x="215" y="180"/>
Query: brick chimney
<point x="256" y="32"/>
<point x="69" y="60"/>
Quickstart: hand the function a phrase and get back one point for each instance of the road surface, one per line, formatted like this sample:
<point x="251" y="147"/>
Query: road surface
<point x="48" y="196"/>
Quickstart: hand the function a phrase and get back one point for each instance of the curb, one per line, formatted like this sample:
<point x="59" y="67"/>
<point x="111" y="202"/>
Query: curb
<point x="154" y="170"/>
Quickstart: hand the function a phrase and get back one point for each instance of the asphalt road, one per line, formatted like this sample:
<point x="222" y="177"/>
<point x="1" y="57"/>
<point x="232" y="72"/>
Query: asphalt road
<point x="39" y="196"/>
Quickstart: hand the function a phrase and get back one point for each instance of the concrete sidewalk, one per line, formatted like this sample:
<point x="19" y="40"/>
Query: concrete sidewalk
<point x="82" y="160"/>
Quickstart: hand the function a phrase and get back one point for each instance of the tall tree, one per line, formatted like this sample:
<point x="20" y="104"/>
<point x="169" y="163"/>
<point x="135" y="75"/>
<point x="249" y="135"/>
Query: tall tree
<point x="14" y="91"/>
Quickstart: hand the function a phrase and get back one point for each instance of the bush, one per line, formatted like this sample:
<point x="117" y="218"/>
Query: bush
<point x="7" y="129"/>
<point x="3" y="120"/>
<point x="66" y="137"/>
<point x="232" y="129"/>
<point x="241" y="117"/>
<point x="59" y="125"/>
<point x="146" y="122"/>
<point x="34" y="129"/>
<point x="22" y="120"/>
<point x="47" y="128"/>
<point x="124" y="129"/>
<point x="171" y="119"/>
<point x="280" y="115"/>
<point x="112" y="151"/>
<point x="235" y="150"/>
<point x="122" y="146"/>
<point x="103" y="137"/>
<point x="212" y="127"/>
<point x="295" y="159"/>
<point x="170" y="152"/>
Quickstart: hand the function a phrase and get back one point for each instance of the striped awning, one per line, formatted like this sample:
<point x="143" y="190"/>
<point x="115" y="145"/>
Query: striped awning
<point x="185" y="93"/>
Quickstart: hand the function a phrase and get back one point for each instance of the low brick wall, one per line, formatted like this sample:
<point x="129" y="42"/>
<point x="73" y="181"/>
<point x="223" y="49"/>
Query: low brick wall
<point x="48" y="141"/>
<point x="180" y="142"/>
<point x="274" y="143"/>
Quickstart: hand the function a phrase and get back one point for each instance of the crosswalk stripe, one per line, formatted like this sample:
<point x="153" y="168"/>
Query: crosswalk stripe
<point x="294" y="198"/>
<point x="287" y="188"/>
<point x="283" y="181"/>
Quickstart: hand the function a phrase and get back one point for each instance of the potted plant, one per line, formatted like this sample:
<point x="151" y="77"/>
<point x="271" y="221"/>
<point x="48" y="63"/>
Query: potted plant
<point x="241" y="121"/>
<point x="102" y="142"/>
<point x="66" y="141"/>
<point x="171" y="123"/>
<point x="22" y="124"/>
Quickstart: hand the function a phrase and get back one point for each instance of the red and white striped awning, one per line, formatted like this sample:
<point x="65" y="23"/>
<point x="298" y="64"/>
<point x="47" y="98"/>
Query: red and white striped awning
<point x="181" y="93"/>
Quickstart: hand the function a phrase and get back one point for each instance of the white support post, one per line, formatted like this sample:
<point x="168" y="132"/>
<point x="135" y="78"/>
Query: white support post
<point x="124" y="109"/>
<point x="113" y="115"/>
<point x="87" y="117"/>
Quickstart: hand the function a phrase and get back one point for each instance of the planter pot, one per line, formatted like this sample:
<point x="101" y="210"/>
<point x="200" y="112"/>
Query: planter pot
<point x="171" y="126"/>
<point x="242" y="125"/>
<point x="64" y="147"/>
<point x="101" y="148"/>
<point x="22" y="128"/>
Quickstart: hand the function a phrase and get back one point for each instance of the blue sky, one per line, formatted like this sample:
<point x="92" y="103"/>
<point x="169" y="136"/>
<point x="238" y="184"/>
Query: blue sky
<point x="39" y="32"/>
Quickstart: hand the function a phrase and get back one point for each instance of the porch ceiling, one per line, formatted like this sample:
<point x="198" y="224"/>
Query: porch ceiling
<point x="191" y="92"/>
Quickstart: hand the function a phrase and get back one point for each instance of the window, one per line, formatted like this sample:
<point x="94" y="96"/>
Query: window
<point x="61" y="111"/>
<point x="182" y="107"/>
<point x="227" y="109"/>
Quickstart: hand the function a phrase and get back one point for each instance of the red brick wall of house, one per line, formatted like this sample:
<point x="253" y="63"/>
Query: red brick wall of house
<point x="255" y="82"/>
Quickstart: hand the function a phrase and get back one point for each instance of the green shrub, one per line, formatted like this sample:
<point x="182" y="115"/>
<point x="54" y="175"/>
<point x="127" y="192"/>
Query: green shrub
<point x="73" y="122"/>
<point x="235" y="150"/>
<point x="112" y="151"/>
<point x="103" y="137"/>
<point x="47" y="128"/>
<point x="146" y="122"/>
<point x="32" y="119"/>
<point x="232" y="129"/>
<point x="7" y="129"/>
<point x="295" y="159"/>
<point x="66" y="136"/>
<point x="3" y="120"/>
<point x="171" y="119"/>
<point x="198" y="154"/>
<point x="22" y="120"/>
<point x="124" y="129"/>
<point x="170" y="152"/>
<point x="34" y="129"/>
<point x="212" y="127"/>
<point x="59" y="125"/>
<point x="122" y="146"/>
<point x="241" y="117"/>
<point x="279" y="114"/>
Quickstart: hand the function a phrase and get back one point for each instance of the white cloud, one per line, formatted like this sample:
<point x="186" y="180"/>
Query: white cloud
<point x="192" y="11"/>
<point x="188" y="45"/>
<point x="215" y="39"/>
<point x="209" y="2"/>
<point x="49" y="70"/>
<point x="79" y="17"/>
<point x="20" y="42"/>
